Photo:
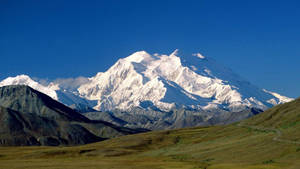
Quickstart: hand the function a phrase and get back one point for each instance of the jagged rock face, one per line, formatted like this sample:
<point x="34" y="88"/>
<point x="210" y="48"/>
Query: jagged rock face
<point x="29" y="117"/>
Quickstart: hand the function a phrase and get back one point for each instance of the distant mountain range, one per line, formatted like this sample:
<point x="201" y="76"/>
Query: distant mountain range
<point x="160" y="91"/>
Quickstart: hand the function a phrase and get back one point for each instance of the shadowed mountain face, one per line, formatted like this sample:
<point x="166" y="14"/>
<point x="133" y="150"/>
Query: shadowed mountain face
<point x="174" y="119"/>
<point x="29" y="117"/>
<point x="32" y="129"/>
<point x="27" y="100"/>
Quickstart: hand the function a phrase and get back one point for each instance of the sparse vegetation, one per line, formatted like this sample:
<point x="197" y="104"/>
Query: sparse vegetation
<point x="218" y="147"/>
<point x="268" y="162"/>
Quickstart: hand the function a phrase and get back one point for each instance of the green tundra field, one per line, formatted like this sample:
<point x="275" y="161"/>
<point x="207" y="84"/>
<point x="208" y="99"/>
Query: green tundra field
<point x="269" y="140"/>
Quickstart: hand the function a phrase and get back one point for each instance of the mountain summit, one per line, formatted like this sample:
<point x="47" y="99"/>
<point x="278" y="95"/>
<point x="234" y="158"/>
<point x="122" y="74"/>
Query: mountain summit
<point x="168" y="81"/>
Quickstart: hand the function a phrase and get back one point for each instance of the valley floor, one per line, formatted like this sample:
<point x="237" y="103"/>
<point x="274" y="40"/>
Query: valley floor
<point x="233" y="146"/>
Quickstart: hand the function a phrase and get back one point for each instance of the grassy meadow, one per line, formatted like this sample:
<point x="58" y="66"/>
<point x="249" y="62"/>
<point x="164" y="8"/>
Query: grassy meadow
<point x="249" y="144"/>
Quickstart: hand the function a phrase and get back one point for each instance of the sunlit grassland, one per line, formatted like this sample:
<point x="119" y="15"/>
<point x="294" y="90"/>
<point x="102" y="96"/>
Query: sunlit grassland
<point x="232" y="146"/>
<point x="214" y="147"/>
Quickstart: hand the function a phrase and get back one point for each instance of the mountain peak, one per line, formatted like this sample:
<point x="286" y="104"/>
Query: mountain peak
<point x="139" y="57"/>
<point x="165" y="80"/>
<point x="175" y="52"/>
<point x="18" y="79"/>
<point x="26" y="80"/>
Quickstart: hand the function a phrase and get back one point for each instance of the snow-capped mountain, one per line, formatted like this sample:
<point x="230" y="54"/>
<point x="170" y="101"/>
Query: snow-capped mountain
<point x="162" y="81"/>
<point x="56" y="90"/>
<point x="26" y="80"/>
<point x="168" y="81"/>
<point x="159" y="92"/>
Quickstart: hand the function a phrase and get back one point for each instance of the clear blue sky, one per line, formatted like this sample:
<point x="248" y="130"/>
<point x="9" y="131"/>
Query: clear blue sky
<point x="260" y="40"/>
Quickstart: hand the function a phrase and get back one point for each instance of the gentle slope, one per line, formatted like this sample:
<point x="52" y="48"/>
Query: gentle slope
<point x="249" y="144"/>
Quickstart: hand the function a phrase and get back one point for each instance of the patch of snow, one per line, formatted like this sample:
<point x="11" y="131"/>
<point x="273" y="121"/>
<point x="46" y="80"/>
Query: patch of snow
<point x="282" y="99"/>
<point x="26" y="80"/>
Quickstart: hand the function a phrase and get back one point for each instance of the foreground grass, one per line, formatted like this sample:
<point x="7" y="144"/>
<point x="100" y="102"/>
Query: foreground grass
<point x="216" y="147"/>
<point x="267" y="141"/>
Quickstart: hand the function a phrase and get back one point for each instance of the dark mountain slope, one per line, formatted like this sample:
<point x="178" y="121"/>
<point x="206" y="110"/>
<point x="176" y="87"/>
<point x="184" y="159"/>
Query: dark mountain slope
<point x="29" y="117"/>
<point x="31" y="129"/>
<point x="25" y="99"/>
